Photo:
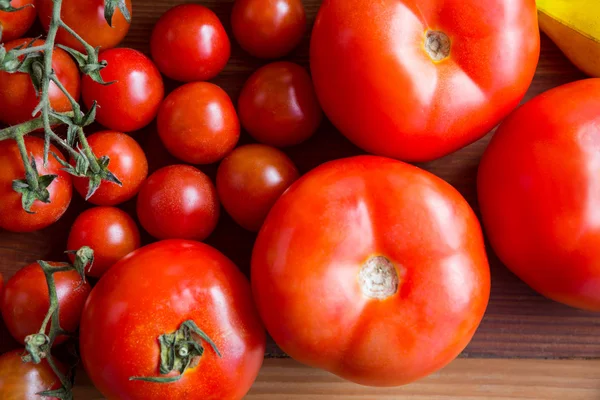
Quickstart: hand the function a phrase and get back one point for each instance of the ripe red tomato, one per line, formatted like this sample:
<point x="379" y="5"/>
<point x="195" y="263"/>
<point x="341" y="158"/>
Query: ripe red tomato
<point x="132" y="101"/>
<point x="19" y="380"/>
<point x="251" y="179"/>
<point x="87" y="19"/>
<point x="198" y="124"/>
<point x="418" y="80"/>
<point x="18" y="97"/>
<point x="268" y="28"/>
<point x="127" y="162"/>
<point x="25" y="301"/>
<point x="110" y="232"/>
<point x="390" y="261"/>
<point x="13" y="25"/>
<point x="278" y="105"/>
<point x="180" y="202"/>
<point x="538" y="191"/>
<point x="190" y="44"/>
<point x="152" y="292"/>
<point x="12" y="215"/>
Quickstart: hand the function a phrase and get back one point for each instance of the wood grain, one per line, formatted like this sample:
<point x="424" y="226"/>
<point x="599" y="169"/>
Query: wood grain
<point x="519" y="323"/>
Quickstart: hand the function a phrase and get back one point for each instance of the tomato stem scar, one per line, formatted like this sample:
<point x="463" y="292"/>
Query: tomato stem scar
<point x="437" y="45"/>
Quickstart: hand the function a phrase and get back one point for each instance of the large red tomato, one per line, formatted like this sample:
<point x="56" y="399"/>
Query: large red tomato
<point x="23" y="381"/>
<point x="13" y="25"/>
<point x="153" y="292"/>
<point x="372" y="269"/>
<point x="87" y="19"/>
<point x="417" y="80"/>
<point x="539" y="192"/>
<point x="12" y="215"/>
<point x="18" y="97"/>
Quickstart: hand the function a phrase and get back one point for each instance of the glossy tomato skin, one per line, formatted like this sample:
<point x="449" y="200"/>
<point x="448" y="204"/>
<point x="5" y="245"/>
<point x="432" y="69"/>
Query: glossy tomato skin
<point x="189" y="44"/>
<point x="13" y="25"/>
<point x="132" y="101"/>
<point x="25" y="301"/>
<point x="18" y="97"/>
<point x="87" y="19"/>
<point x="12" y="216"/>
<point x="268" y="28"/>
<point x="109" y="231"/>
<point x="19" y="380"/>
<point x="380" y="87"/>
<point x="278" y="105"/>
<point x="251" y="179"/>
<point x="178" y="202"/>
<point x="157" y="288"/>
<point x="330" y="237"/>
<point x="538" y="190"/>
<point x="198" y="124"/>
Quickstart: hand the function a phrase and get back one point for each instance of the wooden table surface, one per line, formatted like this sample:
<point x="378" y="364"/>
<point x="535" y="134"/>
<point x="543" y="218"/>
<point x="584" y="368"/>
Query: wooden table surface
<point x="519" y="323"/>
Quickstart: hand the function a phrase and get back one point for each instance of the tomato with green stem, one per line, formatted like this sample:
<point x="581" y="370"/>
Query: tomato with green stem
<point x="15" y="24"/>
<point x="20" y="380"/>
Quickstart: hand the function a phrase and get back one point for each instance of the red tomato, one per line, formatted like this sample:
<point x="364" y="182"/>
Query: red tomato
<point x="152" y="292"/>
<point x="390" y="261"/>
<point x="110" y="232"/>
<point x="20" y="381"/>
<point x="417" y="80"/>
<point x="198" y="124"/>
<point x="268" y="28"/>
<point x="13" y="25"/>
<point x="127" y="162"/>
<point x="538" y="190"/>
<point x="251" y="179"/>
<point x="25" y="301"/>
<point x="180" y="202"/>
<point x="190" y="44"/>
<point x="18" y="97"/>
<point x="87" y="19"/>
<point x="12" y="215"/>
<point x="132" y="101"/>
<point x="278" y="105"/>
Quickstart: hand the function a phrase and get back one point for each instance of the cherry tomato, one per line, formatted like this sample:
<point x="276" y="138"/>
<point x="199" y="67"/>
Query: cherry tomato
<point x="251" y="179"/>
<point x="25" y="301"/>
<point x="190" y="44"/>
<point x="152" y="292"/>
<point x="13" y="25"/>
<point x="18" y="97"/>
<point x="417" y="80"/>
<point x="268" y="28"/>
<point x="127" y="162"/>
<point x="87" y="19"/>
<point x="198" y="124"/>
<point x="278" y="105"/>
<point x="538" y="189"/>
<point x="110" y="232"/>
<point x="23" y="381"/>
<point x="12" y="215"/>
<point x="180" y="202"/>
<point x="132" y="101"/>
<point x="371" y="269"/>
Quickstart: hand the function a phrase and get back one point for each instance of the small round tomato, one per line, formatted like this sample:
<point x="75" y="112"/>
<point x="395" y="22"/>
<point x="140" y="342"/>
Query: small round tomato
<point x="110" y="232"/>
<point x="268" y="28"/>
<point x="127" y="162"/>
<point x="251" y="179"/>
<point x="153" y="292"/>
<point x="278" y="105"/>
<point x="87" y="19"/>
<point x="190" y="44"/>
<point x="132" y="100"/>
<point x="180" y="202"/>
<point x="371" y="269"/>
<point x="198" y="124"/>
<point x="20" y="380"/>
<point x="25" y="301"/>
<point x="539" y="192"/>
<point x="18" y="97"/>
<point x="13" y="25"/>
<point x="12" y="215"/>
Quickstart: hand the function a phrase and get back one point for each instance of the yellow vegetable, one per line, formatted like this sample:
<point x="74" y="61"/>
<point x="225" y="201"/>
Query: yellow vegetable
<point x="574" y="25"/>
